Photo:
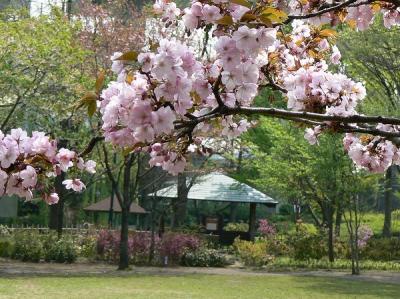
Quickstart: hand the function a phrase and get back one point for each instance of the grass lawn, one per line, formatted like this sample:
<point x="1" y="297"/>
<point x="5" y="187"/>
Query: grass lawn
<point x="193" y="286"/>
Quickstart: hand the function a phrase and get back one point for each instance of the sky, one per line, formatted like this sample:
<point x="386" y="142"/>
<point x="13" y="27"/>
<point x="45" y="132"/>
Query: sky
<point x="42" y="6"/>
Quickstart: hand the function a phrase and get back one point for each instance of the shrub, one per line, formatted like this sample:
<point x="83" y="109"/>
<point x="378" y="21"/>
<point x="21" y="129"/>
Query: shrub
<point x="88" y="247"/>
<point x="265" y="228"/>
<point x="203" y="258"/>
<point x="139" y="245"/>
<point x="236" y="227"/>
<point x="107" y="245"/>
<point x="277" y="247"/>
<point x="364" y="234"/>
<point x="174" y="245"/>
<point x="62" y="250"/>
<point x="6" y="247"/>
<point x="382" y="249"/>
<point x="27" y="247"/>
<point x="252" y="254"/>
<point x="307" y="243"/>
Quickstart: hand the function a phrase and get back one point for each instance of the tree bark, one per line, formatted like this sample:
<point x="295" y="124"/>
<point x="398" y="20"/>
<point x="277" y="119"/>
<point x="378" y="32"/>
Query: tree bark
<point x="179" y="206"/>
<point x="123" y="249"/>
<point x="389" y="196"/>
<point x="56" y="214"/>
<point x="252" y="220"/>
<point x="125" y="208"/>
<point x="338" y="221"/>
<point x="329" y="225"/>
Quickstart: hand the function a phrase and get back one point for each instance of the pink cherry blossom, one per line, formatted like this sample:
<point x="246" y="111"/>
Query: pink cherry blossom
<point x="74" y="184"/>
<point x="51" y="199"/>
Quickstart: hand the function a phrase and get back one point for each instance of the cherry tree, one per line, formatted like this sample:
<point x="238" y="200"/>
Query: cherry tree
<point x="168" y="98"/>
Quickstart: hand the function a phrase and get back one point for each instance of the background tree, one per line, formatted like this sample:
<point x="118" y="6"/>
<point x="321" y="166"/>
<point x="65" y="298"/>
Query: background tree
<point x="373" y="57"/>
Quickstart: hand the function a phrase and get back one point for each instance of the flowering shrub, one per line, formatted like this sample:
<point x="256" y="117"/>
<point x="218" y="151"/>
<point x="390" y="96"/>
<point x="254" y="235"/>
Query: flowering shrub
<point x="60" y="250"/>
<point x="252" y="254"/>
<point x="139" y="245"/>
<point x="364" y="234"/>
<point x="203" y="258"/>
<point x="27" y="246"/>
<point x="307" y="243"/>
<point x="174" y="245"/>
<point x="382" y="249"/>
<point x="108" y="245"/>
<point x="236" y="227"/>
<point x="265" y="228"/>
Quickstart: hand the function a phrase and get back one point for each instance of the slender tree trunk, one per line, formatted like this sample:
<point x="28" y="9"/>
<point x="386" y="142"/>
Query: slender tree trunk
<point x="125" y="209"/>
<point x="389" y="195"/>
<point x="233" y="211"/>
<point x="329" y="224"/>
<point x="179" y="206"/>
<point x="331" y="253"/>
<point x="338" y="221"/>
<point x="56" y="215"/>
<point x="123" y="249"/>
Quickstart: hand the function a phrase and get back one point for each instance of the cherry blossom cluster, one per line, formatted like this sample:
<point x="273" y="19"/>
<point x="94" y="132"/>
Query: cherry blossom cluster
<point x="373" y="153"/>
<point x="26" y="162"/>
<point x="359" y="14"/>
<point x="172" y="97"/>
<point x="364" y="234"/>
<point x="173" y="84"/>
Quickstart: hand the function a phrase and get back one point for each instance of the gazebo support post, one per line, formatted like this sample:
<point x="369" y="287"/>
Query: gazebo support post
<point x="252" y="221"/>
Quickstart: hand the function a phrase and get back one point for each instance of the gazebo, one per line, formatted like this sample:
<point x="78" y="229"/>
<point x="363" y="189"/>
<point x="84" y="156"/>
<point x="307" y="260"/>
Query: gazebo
<point x="105" y="206"/>
<point x="218" y="187"/>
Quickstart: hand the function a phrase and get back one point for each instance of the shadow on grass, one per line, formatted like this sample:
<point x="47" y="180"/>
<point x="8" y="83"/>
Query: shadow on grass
<point x="347" y="288"/>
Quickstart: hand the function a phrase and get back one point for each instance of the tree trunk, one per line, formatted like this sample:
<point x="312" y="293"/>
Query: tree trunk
<point x="338" y="220"/>
<point x="123" y="248"/>
<point x="125" y="203"/>
<point x="252" y="220"/>
<point x="57" y="210"/>
<point x="233" y="211"/>
<point x="390" y="189"/>
<point x="328" y="212"/>
<point x="331" y="253"/>
<point x="180" y="204"/>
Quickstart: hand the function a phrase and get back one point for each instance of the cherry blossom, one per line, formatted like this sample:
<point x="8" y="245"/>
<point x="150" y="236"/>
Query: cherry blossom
<point x="27" y="163"/>
<point x="177" y="95"/>
<point x="74" y="184"/>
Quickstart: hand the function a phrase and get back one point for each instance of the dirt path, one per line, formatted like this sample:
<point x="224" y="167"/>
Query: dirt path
<point x="10" y="268"/>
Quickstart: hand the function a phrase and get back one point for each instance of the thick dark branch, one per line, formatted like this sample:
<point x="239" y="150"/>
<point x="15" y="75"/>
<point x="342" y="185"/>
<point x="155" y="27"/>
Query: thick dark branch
<point x="92" y="143"/>
<point x="111" y="177"/>
<point x="281" y="113"/>
<point x="323" y="11"/>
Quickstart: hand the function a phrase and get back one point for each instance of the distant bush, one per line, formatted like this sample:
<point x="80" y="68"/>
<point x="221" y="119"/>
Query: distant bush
<point x="174" y="245"/>
<point x="236" y="227"/>
<point x="6" y="247"/>
<point x="307" y="243"/>
<point x="203" y="258"/>
<point x="266" y="229"/>
<point x="59" y="250"/>
<point x="382" y="249"/>
<point x="27" y="246"/>
<point x="253" y="254"/>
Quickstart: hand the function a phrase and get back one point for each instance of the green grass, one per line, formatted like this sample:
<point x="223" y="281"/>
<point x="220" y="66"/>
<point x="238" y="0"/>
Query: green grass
<point x="287" y="263"/>
<point x="193" y="286"/>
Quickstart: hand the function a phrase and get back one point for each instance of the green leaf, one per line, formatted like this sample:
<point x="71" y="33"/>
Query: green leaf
<point x="128" y="56"/>
<point x="274" y="15"/>
<point x="242" y="3"/>
<point x="225" y="20"/>
<point x="91" y="108"/>
<point x="99" y="82"/>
